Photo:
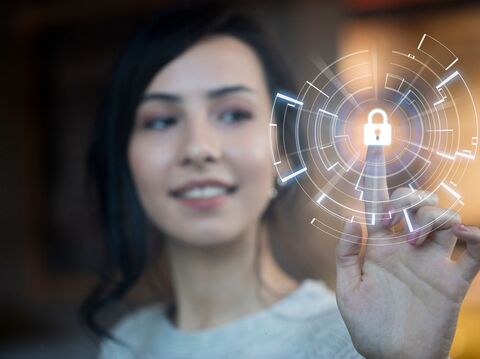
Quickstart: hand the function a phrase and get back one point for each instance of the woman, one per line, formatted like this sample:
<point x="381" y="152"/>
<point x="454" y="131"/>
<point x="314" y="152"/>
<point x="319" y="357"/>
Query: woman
<point x="182" y="149"/>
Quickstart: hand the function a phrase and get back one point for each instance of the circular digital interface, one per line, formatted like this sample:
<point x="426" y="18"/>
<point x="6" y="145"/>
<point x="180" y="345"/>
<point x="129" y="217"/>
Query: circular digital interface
<point x="408" y="105"/>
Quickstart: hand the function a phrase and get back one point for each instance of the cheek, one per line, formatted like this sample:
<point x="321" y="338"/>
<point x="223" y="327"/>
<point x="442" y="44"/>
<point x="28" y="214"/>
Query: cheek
<point x="148" y="163"/>
<point x="252" y="157"/>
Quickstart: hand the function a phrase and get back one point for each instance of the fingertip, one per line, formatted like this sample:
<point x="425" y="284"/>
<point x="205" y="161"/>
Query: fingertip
<point x="387" y="222"/>
<point x="461" y="227"/>
<point x="463" y="231"/>
<point x="412" y="237"/>
<point x="374" y="154"/>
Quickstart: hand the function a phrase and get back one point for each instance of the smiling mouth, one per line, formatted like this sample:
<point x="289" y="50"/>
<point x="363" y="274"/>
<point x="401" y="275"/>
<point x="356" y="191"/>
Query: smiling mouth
<point x="203" y="190"/>
<point x="203" y="195"/>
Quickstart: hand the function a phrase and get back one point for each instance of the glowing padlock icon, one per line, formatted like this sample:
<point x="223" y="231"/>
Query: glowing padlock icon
<point x="377" y="134"/>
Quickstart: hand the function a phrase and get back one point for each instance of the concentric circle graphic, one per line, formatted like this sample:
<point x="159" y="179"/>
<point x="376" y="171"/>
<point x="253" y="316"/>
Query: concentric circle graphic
<point x="319" y="138"/>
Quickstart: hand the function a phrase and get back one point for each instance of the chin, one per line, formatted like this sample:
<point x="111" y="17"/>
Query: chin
<point x="208" y="238"/>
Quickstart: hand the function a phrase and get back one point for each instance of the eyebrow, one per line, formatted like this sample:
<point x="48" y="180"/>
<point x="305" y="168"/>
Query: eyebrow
<point x="216" y="93"/>
<point x="223" y="91"/>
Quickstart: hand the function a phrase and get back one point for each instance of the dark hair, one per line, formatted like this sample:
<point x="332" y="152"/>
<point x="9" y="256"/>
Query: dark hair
<point x="165" y="37"/>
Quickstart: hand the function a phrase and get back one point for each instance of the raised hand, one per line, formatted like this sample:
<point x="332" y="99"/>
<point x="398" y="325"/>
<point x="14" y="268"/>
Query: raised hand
<point x="402" y="300"/>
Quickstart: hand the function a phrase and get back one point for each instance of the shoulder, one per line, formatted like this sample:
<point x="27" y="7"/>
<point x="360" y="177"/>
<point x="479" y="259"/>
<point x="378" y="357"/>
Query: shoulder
<point x="131" y="332"/>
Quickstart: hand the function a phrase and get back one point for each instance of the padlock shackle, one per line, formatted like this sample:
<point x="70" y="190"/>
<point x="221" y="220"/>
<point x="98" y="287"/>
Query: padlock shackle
<point x="377" y="111"/>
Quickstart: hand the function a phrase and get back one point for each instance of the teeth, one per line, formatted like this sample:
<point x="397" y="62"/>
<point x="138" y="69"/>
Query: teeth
<point x="204" y="192"/>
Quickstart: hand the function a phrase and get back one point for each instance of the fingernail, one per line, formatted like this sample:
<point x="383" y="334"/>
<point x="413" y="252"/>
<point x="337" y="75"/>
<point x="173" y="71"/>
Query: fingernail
<point x="463" y="228"/>
<point x="412" y="237"/>
<point x="387" y="221"/>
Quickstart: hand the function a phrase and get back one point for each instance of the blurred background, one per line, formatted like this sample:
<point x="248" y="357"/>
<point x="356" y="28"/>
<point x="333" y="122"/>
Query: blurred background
<point x="55" y="59"/>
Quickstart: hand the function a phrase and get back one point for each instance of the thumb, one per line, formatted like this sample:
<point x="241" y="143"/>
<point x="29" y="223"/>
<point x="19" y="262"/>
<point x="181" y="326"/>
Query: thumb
<point x="348" y="255"/>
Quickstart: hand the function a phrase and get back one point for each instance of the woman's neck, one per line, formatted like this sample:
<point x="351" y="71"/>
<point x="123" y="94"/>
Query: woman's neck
<point x="215" y="285"/>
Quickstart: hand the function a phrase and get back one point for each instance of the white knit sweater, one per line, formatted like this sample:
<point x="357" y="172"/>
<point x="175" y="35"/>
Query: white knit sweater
<point x="305" y="324"/>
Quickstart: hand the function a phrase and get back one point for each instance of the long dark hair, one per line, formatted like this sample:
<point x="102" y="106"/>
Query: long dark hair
<point x="162" y="39"/>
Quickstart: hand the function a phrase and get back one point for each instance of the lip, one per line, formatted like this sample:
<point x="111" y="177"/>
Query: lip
<point x="203" y="203"/>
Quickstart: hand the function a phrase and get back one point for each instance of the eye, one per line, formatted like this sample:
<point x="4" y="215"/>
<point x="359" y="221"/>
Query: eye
<point x="160" y="123"/>
<point x="235" y="116"/>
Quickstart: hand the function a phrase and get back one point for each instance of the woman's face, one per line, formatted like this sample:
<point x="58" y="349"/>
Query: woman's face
<point x="199" y="151"/>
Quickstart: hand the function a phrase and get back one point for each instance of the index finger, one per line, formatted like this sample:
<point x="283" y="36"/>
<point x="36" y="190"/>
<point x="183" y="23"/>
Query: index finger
<point x="375" y="186"/>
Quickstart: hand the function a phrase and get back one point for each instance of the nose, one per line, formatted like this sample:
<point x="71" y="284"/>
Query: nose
<point x="202" y="144"/>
